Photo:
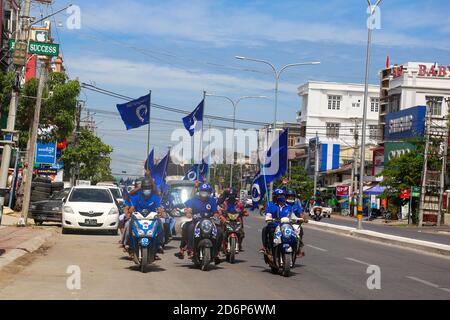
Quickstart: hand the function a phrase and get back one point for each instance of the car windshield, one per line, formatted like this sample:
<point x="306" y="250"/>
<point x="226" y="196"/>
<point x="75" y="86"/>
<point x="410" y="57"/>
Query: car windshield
<point x="181" y="194"/>
<point x="90" y="195"/>
<point x="116" y="193"/>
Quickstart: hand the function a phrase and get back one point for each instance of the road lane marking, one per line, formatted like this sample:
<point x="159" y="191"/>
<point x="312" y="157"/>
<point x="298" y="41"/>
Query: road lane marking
<point x="317" y="248"/>
<point x="428" y="283"/>
<point x="358" y="261"/>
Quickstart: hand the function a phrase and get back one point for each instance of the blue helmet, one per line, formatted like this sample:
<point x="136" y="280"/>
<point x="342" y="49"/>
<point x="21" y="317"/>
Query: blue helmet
<point x="290" y="193"/>
<point x="205" y="187"/>
<point x="278" y="192"/>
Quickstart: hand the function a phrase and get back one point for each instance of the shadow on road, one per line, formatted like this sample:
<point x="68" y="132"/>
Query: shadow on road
<point x="150" y="268"/>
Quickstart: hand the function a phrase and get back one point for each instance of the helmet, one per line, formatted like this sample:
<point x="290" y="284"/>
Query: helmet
<point x="290" y="196"/>
<point x="204" y="191"/>
<point x="278" y="192"/>
<point x="147" y="186"/>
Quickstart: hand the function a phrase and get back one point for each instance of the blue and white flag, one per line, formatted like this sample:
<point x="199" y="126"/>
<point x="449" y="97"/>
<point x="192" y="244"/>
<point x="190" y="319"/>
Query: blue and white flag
<point x="193" y="122"/>
<point x="259" y="190"/>
<point x="200" y="169"/>
<point x="150" y="162"/>
<point x="329" y="156"/>
<point x="276" y="161"/>
<point x="160" y="173"/>
<point x="135" y="113"/>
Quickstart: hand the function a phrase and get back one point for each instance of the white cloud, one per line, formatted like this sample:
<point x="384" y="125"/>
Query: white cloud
<point x="125" y="73"/>
<point x="203" y="21"/>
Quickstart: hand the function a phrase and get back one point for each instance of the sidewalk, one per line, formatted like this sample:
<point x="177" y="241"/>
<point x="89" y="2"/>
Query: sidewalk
<point x="16" y="242"/>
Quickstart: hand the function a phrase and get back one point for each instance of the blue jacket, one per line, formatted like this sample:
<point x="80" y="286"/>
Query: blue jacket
<point x="296" y="209"/>
<point x="140" y="203"/>
<point x="198" y="206"/>
<point x="278" y="212"/>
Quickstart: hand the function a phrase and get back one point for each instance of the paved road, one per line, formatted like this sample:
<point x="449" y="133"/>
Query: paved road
<point x="410" y="232"/>
<point x="334" y="268"/>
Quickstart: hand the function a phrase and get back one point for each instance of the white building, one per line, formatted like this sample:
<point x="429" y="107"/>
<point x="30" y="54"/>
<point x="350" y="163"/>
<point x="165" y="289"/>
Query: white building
<point x="331" y="110"/>
<point x="414" y="84"/>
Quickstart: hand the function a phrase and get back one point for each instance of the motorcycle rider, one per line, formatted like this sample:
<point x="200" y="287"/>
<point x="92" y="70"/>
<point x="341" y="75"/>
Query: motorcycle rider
<point x="294" y="203"/>
<point x="231" y="203"/>
<point x="203" y="203"/>
<point x="276" y="210"/>
<point x="147" y="199"/>
<point x="168" y="205"/>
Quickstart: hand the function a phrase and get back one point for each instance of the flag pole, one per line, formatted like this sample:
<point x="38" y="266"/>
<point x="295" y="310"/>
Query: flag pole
<point x="148" y="132"/>
<point x="201" y="138"/>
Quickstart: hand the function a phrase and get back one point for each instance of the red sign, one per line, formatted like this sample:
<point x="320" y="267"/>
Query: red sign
<point x="434" y="71"/>
<point x="405" y="194"/>
<point x="342" y="191"/>
<point x="30" y="72"/>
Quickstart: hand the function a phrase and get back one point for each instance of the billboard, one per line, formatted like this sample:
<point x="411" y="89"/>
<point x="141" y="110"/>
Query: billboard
<point x="377" y="161"/>
<point x="405" y="124"/>
<point x="396" y="149"/>
<point x="46" y="153"/>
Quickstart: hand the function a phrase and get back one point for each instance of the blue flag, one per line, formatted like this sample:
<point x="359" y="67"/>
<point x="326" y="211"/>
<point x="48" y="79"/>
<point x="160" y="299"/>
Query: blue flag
<point x="193" y="122"/>
<point x="135" y="113"/>
<point x="276" y="159"/>
<point x="201" y="169"/>
<point x="259" y="190"/>
<point x="150" y="162"/>
<point x="160" y="173"/>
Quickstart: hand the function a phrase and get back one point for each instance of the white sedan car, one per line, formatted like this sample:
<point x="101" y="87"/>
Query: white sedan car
<point x="90" y="208"/>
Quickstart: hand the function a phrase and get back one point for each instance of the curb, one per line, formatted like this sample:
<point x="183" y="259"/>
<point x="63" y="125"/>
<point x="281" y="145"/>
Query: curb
<point x="420" y="245"/>
<point x="26" y="247"/>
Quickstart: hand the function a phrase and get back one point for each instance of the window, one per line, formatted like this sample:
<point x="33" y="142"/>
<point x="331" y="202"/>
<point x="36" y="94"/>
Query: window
<point x="333" y="129"/>
<point x="291" y="141"/>
<point x="375" y="104"/>
<point x="334" y="102"/>
<point x="394" y="103"/>
<point x="436" y="105"/>
<point x="90" y="195"/>
<point x="373" y="132"/>
<point x="356" y="104"/>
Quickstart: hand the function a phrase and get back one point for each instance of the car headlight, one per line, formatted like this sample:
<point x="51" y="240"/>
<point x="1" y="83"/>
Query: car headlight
<point x="33" y="207"/>
<point x="68" y="209"/>
<point x="113" y="211"/>
<point x="56" y="209"/>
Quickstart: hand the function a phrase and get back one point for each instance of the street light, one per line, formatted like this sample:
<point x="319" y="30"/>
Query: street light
<point x="235" y="104"/>
<point x="364" y="122"/>
<point x="277" y="75"/>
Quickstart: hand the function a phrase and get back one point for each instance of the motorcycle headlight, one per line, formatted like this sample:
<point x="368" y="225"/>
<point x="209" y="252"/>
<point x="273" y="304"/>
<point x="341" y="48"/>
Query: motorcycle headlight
<point x="151" y="229"/>
<point x="68" y="209"/>
<point x="141" y="232"/>
<point x="287" y="231"/>
<point x="206" y="226"/>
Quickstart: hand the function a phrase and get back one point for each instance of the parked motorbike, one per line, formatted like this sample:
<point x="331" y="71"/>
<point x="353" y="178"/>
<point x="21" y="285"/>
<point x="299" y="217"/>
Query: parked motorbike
<point x="232" y="234"/>
<point x="284" y="251"/>
<point x="144" y="226"/>
<point x="205" y="239"/>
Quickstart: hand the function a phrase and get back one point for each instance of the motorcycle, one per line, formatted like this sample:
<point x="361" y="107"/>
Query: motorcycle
<point x="232" y="234"/>
<point x="144" y="226"/>
<point x="205" y="239"/>
<point x="317" y="213"/>
<point x="284" y="250"/>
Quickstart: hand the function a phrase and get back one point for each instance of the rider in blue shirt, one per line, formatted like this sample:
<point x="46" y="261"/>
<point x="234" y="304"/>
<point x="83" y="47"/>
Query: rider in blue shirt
<point x="276" y="210"/>
<point x="147" y="199"/>
<point x="295" y="204"/>
<point x="200" y="206"/>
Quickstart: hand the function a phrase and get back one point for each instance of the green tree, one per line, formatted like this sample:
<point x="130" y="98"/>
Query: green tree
<point x="58" y="113"/>
<point x="299" y="182"/>
<point x="6" y="85"/>
<point x="93" y="155"/>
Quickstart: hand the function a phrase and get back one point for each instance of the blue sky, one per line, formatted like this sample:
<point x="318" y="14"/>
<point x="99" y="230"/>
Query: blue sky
<point x="180" y="48"/>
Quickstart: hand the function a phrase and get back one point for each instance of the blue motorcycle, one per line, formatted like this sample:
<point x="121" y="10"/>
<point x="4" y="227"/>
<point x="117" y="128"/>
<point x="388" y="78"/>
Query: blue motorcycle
<point x="284" y="249"/>
<point x="144" y="226"/>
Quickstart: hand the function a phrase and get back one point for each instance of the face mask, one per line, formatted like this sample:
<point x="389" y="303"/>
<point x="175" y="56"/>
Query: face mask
<point x="281" y="200"/>
<point x="147" y="193"/>
<point x="204" y="194"/>
<point x="290" y="201"/>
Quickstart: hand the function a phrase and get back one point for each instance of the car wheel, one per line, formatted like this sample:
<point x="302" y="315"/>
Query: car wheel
<point x="65" y="231"/>
<point x="38" y="222"/>
<point x="114" y="232"/>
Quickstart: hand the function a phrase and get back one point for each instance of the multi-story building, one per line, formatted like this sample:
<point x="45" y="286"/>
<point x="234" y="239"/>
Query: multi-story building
<point x="413" y="84"/>
<point x="330" y="110"/>
<point x="9" y="24"/>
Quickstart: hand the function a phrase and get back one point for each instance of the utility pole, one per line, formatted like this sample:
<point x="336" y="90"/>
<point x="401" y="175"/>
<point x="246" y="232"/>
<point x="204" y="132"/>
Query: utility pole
<point x="7" y="149"/>
<point x="75" y="169"/>
<point x="33" y="140"/>
<point x="425" y="165"/>
<point x="316" y="163"/>
<point x="354" y="170"/>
